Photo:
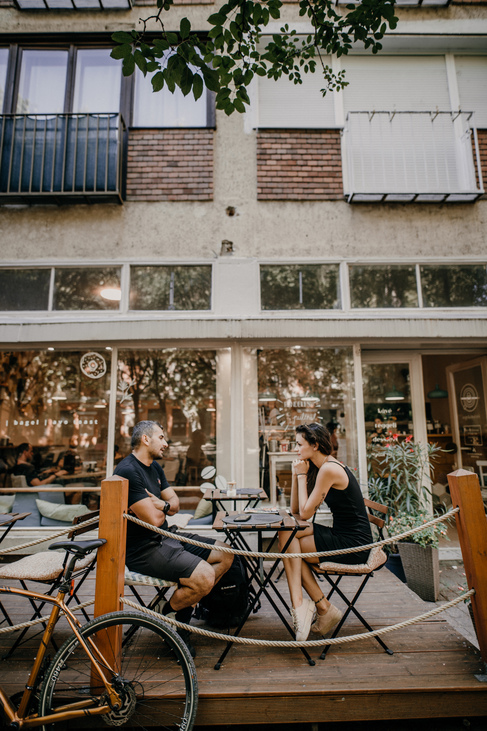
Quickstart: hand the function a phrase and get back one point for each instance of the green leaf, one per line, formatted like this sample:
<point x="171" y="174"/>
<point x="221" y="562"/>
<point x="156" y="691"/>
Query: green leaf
<point x="186" y="81"/>
<point x="121" y="51"/>
<point x="157" y="81"/>
<point x="128" y="66"/>
<point x="198" y="86"/>
<point x="217" y="19"/>
<point x="184" y="28"/>
<point x="140" y="60"/>
<point x="172" y="38"/>
<point x="122" y="37"/>
<point x="211" y="77"/>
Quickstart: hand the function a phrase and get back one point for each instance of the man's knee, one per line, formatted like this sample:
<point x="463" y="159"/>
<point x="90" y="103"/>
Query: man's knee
<point x="202" y="580"/>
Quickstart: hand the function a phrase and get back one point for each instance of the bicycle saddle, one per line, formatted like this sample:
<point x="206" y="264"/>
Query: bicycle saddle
<point x="80" y="548"/>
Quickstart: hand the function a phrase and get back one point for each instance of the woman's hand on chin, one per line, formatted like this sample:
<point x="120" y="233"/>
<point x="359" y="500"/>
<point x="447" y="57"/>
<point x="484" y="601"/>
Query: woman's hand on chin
<point x="300" y="466"/>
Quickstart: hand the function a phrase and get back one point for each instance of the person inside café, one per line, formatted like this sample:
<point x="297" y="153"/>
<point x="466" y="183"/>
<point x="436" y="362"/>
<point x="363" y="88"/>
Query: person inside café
<point x="70" y="459"/>
<point x="152" y="499"/>
<point x="317" y="477"/>
<point x="25" y="466"/>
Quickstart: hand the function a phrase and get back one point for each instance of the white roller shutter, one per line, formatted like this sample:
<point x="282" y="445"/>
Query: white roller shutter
<point x="472" y="86"/>
<point x="285" y="104"/>
<point x="401" y="83"/>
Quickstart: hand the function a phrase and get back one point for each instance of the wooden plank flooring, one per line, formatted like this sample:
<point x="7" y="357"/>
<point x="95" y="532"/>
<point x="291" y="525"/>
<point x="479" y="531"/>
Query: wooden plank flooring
<point x="431" y="674"/>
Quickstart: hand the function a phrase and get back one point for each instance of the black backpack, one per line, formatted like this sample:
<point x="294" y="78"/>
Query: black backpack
<point x="228" y="601"/>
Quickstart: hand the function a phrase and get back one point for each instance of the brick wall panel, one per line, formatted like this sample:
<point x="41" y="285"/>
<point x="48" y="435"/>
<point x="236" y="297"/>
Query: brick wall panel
<point x="299" y="165"/>
<point x="170" y="164"/>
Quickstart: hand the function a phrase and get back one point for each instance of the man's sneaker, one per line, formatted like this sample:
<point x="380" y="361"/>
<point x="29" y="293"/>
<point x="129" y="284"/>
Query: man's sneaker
<point x="325" y="623"/>
<point x="302" y="618"/>
<point x="184" y="615"/>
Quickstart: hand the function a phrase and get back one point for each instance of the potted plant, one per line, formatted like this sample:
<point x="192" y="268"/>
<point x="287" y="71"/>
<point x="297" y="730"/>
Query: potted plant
<point x="419" y="552"/>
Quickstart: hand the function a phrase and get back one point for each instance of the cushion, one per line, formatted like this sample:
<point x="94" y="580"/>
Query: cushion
<point x="133" y="578"/>
<point x="60" y="512"/>
<point x="6" y="502"/>
<point x="203" y="509"/>
<point x="180" y="519"/>
<point x="377" y="558"/>
<point x="43" y="566"/>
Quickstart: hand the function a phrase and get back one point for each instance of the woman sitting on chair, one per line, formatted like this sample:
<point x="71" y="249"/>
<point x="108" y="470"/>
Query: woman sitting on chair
<point x="318" y="477"/>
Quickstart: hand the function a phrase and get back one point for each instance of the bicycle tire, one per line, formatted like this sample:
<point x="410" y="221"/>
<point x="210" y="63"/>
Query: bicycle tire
<point x="159" y="678"/>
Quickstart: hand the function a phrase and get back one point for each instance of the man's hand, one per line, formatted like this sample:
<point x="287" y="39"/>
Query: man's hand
<point x="162" y="505"/>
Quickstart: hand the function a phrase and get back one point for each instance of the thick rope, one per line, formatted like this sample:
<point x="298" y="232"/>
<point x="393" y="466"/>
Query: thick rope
<point x="292" y="643"/>
<point x="15" y="627"/>
<point x="47" y="538"/>
<point x="315" y="554"/>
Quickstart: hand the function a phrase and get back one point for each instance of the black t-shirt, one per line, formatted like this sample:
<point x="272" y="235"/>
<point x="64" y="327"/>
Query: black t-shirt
<point x="141" y="478"/>
<point x="28" y="470"/>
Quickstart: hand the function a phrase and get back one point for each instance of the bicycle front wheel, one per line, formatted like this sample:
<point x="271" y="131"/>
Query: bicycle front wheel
<point x="153" y="672"/>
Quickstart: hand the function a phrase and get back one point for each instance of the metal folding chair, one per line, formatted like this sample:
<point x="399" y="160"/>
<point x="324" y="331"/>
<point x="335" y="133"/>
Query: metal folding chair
<point x="333" y="572"/>
<point x="133" y="579"/>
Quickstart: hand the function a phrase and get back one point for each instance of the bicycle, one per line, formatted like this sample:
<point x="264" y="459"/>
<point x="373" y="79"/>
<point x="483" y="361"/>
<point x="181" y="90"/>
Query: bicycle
<point x="124" y="667"/>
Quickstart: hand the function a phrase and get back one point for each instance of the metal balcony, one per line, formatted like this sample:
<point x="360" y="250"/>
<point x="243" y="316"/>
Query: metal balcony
<point x="428" y="157"/>
<point x="61" y="158"/>
<point x="403" y="3"/>
<point x="73" y="4"/>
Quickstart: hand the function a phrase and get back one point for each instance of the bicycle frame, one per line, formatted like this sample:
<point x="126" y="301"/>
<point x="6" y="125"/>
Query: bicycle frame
<point x="72" y="710"/>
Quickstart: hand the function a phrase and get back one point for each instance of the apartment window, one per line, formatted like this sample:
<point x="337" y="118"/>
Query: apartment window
<point x="42" y="83"/>
<point x="163" y="109"/>
<point x="300" y="287"/>
<point x="96" y="288"/>
<point x="24" y="289"/>
<point x="170" y="287"/>
<point x="472" y="78"/>
<point x="454" y="286"/>
<point x="97" y="82"/>
<point x="3" y="74"/>
<point x="383" y="286"/>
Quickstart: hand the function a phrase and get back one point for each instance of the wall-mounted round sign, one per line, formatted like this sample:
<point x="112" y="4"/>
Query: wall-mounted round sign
<point x="93" y="365"/>
<point x="469" y="397"/>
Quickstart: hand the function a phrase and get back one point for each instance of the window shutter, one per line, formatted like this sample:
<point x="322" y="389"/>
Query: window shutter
<point x="472" y="86"/>
<point x="285" y="104"/>
<point x="401" y="83"/>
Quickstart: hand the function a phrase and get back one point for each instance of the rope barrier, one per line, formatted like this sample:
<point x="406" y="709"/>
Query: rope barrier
<point x="315" y="554"/>
<point x="32" y="622"/>
<point x="47" y="538"/>
<point x="293" y="643"/>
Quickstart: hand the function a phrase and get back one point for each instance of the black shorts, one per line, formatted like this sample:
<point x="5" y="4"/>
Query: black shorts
<point x="169" y="559"/>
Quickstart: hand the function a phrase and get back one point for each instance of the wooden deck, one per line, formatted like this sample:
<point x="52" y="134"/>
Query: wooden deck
<point x="432" y="673"/>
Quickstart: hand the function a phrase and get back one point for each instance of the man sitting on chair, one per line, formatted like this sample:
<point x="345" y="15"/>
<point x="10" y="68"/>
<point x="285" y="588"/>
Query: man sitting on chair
<point x="151" y="498"/>
<point x="24" y="466"/>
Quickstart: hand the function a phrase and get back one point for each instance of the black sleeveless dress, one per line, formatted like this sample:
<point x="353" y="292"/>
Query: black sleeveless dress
<point x="351" y="525"/>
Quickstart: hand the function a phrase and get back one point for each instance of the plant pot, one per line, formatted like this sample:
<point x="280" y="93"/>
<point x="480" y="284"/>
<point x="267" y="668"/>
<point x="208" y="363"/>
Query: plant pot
<point x="422" y="569"/>
<point x="394" y="564"/>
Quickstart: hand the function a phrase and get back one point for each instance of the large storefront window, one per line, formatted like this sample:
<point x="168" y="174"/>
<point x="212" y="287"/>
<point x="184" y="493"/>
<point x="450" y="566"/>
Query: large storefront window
<point x="178" y="388"/>
<point x="57" y="401"/>
<point x="302" y="385"/>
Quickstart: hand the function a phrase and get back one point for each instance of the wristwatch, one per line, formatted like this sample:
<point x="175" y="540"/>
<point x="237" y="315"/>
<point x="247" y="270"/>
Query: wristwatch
<point x="167" y="507"/>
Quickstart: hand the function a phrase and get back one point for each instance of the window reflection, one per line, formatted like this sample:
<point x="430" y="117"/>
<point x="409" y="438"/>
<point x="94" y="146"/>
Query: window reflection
<point x="177" y="388"/>
<point x="383" y="286"/>
<point x="24" y="289"/>
<point x="3" y="74"/>
<point x="170" y="288"/>
<point x="42" y="82"/>
<point x="298" y="287"/>
<point x="87" y="288"/>
<point x="302" y="385"/>
<point x="454" y="286"/>
<point x="48" y="401"/>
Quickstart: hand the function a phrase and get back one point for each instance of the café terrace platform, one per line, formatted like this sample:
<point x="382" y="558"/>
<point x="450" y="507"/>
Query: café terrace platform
<point x="432" y="674"/>
<point x="435" y="672"/>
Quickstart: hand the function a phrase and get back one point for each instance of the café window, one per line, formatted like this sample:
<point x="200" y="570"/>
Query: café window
<point x="300" y="287"/>
<point x="454" y="285"/>
<point x="178" y="388"/>
<point x="89" y="288"/>
<point x="301" y="385"/>
<point x="170" y="287"/>
<point x="378" y="286"/>
<point x="166" y="109"/>
<point x="57" y="401"/>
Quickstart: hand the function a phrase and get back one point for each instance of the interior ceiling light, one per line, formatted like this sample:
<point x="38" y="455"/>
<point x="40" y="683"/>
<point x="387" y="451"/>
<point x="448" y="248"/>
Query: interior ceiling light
<point x="59" y="395"/>
<point x="111" y="293"/>
<point x="394" y="395"/>
<point x="437" y="392"/>
<point x="267" y="396"/>
<point x="310" y="397"/>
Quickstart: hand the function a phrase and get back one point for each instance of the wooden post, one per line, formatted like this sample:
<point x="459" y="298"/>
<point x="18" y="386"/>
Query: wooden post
<point x="110" y="564"/>
<point x="472" y="533"/>
<point x="110" y="567"/>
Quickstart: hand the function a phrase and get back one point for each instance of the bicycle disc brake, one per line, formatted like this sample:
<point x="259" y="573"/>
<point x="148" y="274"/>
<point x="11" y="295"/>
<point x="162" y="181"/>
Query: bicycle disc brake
<point x="121" y="715"/>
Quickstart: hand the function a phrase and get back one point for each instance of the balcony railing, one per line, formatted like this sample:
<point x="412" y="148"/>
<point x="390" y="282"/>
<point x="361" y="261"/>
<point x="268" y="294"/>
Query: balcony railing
<point x="73" y="4"/>
<point x="411" y="156"/>
<point x="62" y="157"/>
